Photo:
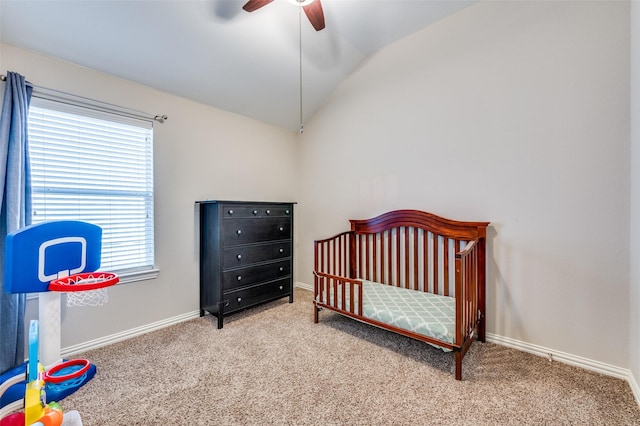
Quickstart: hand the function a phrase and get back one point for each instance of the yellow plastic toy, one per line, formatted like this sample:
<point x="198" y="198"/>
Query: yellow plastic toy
<point x="35" y="400"/>
<point x="36" y="410"/>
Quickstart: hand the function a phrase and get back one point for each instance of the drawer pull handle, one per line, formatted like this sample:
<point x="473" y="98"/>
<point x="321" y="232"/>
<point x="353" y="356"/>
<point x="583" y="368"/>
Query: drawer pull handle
<point x="268" y="212"/>
<point x="286" y="211"/>
<point x="239" y="277"/>
<point x="280" y="287"/>
<point x="281" y="269"/>
<point x="281" y="229"/>
<point x="230" y="212"/>
<point x="239" y="299"/>
<point x="239" y="257"/>
<point x="255" y="212"/>
<point x="281" y="250"/>
<point x="239" y="231"/>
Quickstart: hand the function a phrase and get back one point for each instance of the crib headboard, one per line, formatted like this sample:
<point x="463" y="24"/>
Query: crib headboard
<point x="422" y="220"/>
<point x="411" y="248"/>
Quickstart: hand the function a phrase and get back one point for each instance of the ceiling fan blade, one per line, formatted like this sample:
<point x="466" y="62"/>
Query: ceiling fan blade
<point x="253" y="5"/>
<point x="315" y="14"/>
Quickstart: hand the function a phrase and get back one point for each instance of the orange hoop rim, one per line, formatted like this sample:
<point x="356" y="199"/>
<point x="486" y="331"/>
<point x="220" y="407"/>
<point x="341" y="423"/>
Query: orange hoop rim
<point x="48" y="377"/>
<point x="95" y="280"/>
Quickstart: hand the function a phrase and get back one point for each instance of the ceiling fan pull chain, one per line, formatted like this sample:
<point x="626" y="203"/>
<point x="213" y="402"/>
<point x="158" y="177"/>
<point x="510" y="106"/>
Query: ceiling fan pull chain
<point x="301" y="130"/>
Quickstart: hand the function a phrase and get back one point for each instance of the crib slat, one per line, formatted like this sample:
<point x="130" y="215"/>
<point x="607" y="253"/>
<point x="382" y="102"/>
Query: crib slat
<point x="473" y="311"/>
<point x="435" y="264"/>
<point x="367" y="255"/>
<point x="365" y="270"/>
<point x="405" y="257"/>
<point x="415" y="259"/>
<point x="355" y="257"/>
<point x="445" y="261"/>
<point x="375" y="257"/>
<point x="425" y="257"/>
<point x="342" y="303"/>
<point x="348" y="238"/>
<point x="338" y="255"/>
<point x="390" y="257"/>
<point x="398" y="262"/>
<point x="353" y="267"/>
<point x="344" y="244"/>
<point x="351" y="298"/>
<point x="360" y="273"/>
<point x="383" y="263"/>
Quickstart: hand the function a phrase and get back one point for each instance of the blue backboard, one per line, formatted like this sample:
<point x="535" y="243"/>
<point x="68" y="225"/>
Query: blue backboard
<point x="39" y="253"/>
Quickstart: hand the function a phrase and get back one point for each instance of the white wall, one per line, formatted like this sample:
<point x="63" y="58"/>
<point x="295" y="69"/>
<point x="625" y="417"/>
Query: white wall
<point x="634" y="336"/>
<point x="511" y="112"/>
<point x="199" y="153"/>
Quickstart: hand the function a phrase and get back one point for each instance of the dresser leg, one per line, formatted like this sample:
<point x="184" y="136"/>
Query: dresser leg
<point x="219" y="320"/>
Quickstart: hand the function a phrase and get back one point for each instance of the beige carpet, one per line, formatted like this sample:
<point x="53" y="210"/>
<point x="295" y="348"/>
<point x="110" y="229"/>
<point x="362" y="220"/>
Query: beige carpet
<point x="272" y="366"/>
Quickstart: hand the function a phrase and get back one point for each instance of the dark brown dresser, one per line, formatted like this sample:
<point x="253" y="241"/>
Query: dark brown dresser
<point x="246" y="255"/>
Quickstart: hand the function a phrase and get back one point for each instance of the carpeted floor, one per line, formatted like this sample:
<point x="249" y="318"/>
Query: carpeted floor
<point x="272" y="366"/>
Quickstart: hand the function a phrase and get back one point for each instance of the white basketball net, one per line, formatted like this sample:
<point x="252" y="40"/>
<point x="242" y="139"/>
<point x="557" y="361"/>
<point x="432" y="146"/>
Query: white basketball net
<point x="89" y="296"/>
<point x="97" y="297"/>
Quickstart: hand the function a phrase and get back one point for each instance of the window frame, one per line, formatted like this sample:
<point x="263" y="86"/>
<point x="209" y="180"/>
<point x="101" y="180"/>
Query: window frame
<point x="56" y="101"/>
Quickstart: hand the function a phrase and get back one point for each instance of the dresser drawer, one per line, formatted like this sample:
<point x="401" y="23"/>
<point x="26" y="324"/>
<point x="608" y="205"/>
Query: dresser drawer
<point x="241" y="211"/>
<point x="243" y="277"/>
<point x="240" y="256"/>
<point x="245" y="231"/>
<point x="241" y="299"/>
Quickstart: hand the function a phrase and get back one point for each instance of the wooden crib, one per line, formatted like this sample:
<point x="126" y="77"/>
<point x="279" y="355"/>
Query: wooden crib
<point x="433" y="269"/>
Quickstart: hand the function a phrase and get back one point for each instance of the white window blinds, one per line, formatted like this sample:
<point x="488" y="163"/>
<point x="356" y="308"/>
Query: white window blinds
<point x="97" y="167"/>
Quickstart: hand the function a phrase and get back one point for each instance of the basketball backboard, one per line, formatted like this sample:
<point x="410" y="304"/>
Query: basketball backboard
<point x="39" y="253"/>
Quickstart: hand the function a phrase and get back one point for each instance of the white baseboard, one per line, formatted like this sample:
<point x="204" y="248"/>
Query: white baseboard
<point x="113" y="338"/>
<point x="588" y="364"/>
<point x="634" y="387"/>
<point x="598" y="367"/>
<point x="303" y="286"/>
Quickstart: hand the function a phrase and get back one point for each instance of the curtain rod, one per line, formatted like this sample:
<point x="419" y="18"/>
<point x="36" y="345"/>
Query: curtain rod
<point x="60" y="96"/>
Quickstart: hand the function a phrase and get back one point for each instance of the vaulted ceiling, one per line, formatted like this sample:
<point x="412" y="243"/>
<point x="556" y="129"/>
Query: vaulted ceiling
<point x="213" y="52"/>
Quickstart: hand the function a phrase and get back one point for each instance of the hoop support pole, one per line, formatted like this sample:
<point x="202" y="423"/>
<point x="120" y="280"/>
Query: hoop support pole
<point x="49" y="335"/>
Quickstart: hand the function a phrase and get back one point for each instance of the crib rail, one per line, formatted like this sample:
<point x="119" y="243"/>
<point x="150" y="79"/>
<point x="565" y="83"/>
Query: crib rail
<point x="467" y="292"/>
<point x="340" y="294"/>
<point x="333" y="255"/>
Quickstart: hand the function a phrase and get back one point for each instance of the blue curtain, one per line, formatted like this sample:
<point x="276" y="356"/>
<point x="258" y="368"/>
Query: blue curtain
<point x="15" y="196"/>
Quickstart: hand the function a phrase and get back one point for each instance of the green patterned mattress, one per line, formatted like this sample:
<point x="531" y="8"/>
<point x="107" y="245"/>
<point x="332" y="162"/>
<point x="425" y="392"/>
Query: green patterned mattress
<point x="423" y="313"/>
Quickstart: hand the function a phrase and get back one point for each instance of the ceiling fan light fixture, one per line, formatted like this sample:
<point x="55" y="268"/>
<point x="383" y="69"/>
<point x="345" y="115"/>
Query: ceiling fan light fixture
<point x="301" y="3"/>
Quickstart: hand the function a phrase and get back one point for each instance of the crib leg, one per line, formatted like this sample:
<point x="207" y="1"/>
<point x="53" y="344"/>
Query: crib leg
<point x="315" y="314"/>
<point x="458" y="365"/>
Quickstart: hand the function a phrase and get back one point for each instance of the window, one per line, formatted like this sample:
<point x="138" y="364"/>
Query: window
<point x="97" y="167"/>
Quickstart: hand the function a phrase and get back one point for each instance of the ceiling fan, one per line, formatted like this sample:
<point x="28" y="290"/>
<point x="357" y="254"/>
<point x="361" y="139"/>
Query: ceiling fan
<point x="312" y="8"/>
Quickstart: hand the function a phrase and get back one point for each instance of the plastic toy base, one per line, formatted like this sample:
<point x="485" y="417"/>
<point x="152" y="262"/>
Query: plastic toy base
<point x="17" y="391"/>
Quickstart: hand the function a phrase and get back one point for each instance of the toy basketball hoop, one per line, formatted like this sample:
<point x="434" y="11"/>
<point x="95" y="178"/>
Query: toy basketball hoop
<point x="86" y="289"/>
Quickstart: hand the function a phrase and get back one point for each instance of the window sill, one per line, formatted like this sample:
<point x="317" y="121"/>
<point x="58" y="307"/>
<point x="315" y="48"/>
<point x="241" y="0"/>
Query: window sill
<point x="130" y="277"/>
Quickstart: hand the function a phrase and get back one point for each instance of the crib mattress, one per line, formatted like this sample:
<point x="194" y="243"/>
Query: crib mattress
<point x="423" y="313"/>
